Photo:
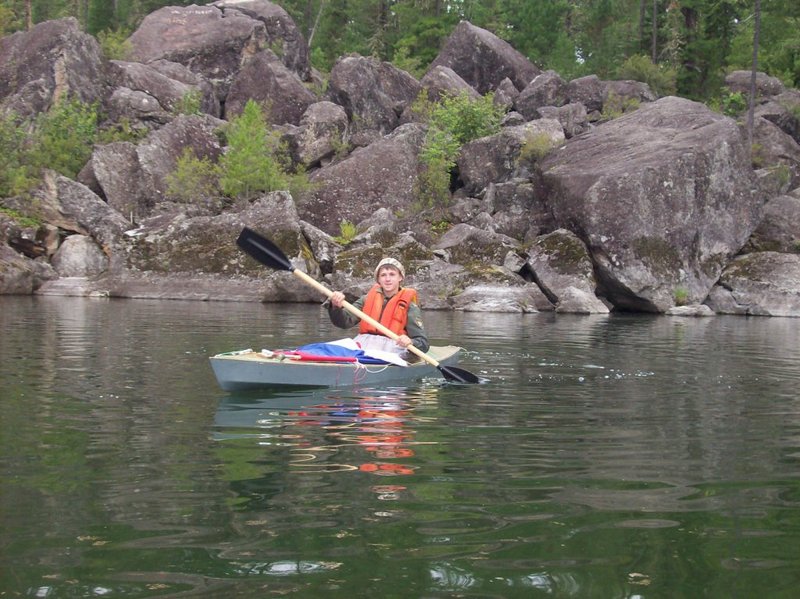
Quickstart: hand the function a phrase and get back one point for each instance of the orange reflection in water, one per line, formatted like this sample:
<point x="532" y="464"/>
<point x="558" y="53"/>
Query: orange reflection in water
<point x="378" y="426"/>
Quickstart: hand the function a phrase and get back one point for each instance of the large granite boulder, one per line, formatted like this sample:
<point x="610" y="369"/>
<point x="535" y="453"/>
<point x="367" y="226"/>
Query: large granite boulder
<point x="194" y="246"/>
<point x="53" y="60"/>
<point x="517" y="210"/>
<point x="152" y="94"/>
<point x="133" y="178"/>
<point x="759" y="284"/>
<point x="779" y="229"/>
<point x="505" y="296"/>
<point x="209" y="41"/>
<point x="589" y="91"/>
<point x="497" y="158"/>
<point x="321" y="134"/>
<point x="573" y="117"/>
<point x="283" y="35"/>
<point x="624" y="90"/>
<point x="784" y="111"/>
<point x="266" y="80"/>
<point x="441" y="81"/>
<point x="505" y="95"/>
<point x="776" y="150"/>
<point x="483" y="60"/>
<point x="79" y="256"/>
<point x="382" y="175"/>
<point x="374" y="94"/>
<point x="114" y="173"/>
<point x="663" y="197"/>
<point x="546" y="89"/>
<point x="73" y="208"/>
<point x="560" y="265"/>
<point x="475" y="247"/>
<point x="766" y="86"/>
<point x="20" y="275"/>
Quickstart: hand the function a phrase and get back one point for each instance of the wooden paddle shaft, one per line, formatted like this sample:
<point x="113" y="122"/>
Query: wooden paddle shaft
<point x="365" y="317"/>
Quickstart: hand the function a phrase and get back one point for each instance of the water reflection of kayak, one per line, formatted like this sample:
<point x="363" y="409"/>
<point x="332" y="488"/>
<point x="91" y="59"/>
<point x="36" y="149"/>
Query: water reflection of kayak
<point x="247" y="369"/>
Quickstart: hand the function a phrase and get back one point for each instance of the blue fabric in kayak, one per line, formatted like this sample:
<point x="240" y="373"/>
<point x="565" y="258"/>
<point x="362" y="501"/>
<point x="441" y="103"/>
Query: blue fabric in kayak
<point x="331" y="349"/>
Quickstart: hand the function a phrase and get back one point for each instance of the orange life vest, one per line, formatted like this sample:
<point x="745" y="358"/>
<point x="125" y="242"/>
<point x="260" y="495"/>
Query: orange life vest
<point x="394" y="317"/>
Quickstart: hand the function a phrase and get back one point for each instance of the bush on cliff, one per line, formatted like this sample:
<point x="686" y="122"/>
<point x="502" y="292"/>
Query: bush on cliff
<point x="256" y="161"/>
<point x="452" y="122"/>
<point x="194" y="179"/>
<point x="60" y="139"/>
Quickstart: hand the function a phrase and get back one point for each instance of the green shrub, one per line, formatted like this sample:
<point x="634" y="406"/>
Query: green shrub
<point x="535" y="147"/>
<point x="403" y="59"/>
<point x="681" y="296"/>
<point x="439" y="227"/>
<point x="8" y="21"/>
<point x="122" y="130"/>
<point x="255" y="162"/>
<point x="189" y="103"/>
<point x="757" y="155"/>
<point x="433" y="182"/>
<point x="16" y="176"/>
<point x="348" y="232"/>
<point x="61" y="139"/>
<point x="452" y="122"/>
<point x="250" y="165"/>
<point x="20" y="219"/>
<point x="660" y="79"/>
<point x="115" y="43"/>
<point x="194" y="179"/>
<point x="64" y="137"/>
<point x="729" y="103"/>
<point x="615" y="106"/>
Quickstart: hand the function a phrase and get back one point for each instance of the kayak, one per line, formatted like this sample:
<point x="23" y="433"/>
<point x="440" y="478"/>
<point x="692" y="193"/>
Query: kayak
<point x="248" y="369"/>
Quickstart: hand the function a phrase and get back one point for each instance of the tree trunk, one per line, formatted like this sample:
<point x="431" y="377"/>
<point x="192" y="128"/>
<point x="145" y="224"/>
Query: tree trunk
<point x="751" y="107"/>
<point x="642" y="9"/>
<point x="316" y="22"/>
<point x="654" y="44"/>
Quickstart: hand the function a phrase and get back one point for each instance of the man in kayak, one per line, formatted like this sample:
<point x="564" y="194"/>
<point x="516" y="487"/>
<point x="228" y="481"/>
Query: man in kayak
<point x="394" y="306"/>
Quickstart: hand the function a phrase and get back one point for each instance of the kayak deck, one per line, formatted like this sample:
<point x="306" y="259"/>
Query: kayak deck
<point x="248" y="369"/>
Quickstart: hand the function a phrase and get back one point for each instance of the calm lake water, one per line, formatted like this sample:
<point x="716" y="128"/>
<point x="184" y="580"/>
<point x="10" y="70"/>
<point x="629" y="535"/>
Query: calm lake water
<point x="621" y="456"/>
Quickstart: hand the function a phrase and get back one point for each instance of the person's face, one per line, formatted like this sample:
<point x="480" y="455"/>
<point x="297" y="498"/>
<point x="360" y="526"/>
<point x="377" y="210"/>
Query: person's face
<point x="389" y="279"/>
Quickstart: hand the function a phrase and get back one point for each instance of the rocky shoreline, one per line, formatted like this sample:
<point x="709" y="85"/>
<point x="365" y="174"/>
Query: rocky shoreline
<point x="660" y="209"/>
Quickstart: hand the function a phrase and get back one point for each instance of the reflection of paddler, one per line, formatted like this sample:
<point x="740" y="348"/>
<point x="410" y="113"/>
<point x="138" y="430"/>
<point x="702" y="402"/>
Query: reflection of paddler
<point x="386" y="446"/>
<point x="386" y="469"/>
<point x="388" y="492"/>
<point x="380" y="425"/>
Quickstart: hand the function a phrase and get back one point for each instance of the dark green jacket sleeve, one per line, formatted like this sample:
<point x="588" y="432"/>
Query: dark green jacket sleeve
<point x="341" y="317"/>
<point x="415" y="328"/>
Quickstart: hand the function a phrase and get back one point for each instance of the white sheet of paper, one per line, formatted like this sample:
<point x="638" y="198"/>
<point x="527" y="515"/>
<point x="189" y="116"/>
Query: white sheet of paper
<point x="374" y="346"/>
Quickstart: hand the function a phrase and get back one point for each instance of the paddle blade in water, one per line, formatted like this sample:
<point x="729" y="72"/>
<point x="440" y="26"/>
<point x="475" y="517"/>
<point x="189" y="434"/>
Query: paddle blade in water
<point x="458" y="375"/>
<point x="263" y="250"/>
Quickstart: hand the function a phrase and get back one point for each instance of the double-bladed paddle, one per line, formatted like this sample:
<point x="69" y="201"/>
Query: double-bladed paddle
<point x="268" y="254"/>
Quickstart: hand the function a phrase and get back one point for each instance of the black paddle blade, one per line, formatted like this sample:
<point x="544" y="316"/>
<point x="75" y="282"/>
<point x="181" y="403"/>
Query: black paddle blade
<point x="263" y="250"/>
<point x="458" y="375"/>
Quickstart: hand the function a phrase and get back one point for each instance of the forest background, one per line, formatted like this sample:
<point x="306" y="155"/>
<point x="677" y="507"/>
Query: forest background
<point x="694" y="43"/>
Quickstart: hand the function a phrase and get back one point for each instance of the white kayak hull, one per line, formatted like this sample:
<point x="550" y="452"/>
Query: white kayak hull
<point x="247" y="369"/>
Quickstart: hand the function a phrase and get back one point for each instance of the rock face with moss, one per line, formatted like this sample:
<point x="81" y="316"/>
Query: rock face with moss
<point x="759" y="284"/>
<point x="664" y="197"/>
<point x="54" y="60"/>
<point x="593" y="196"/>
